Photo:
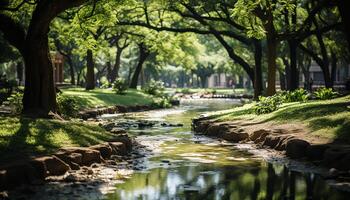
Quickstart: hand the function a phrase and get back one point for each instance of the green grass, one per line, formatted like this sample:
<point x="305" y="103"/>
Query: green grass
<point x="107" y="97"/>
<point x="218" y="90"/>
<point x="325" y="118"/>
<point x="23" y="137"/>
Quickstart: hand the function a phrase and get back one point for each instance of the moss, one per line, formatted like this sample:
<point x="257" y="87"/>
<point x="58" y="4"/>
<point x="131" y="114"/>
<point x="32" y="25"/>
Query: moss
<point x="23" y="137"/>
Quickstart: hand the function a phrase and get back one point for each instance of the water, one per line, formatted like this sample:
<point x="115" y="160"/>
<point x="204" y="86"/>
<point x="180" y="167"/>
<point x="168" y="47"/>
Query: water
<point x="188" y="166"/>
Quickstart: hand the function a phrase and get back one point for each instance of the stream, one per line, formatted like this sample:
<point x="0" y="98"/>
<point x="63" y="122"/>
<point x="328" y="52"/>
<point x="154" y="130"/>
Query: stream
<point x="171" y="162"/>
<point x="182" y="165"/>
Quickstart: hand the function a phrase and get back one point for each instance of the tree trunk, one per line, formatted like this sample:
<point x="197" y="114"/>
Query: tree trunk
<point x="271" y="60"/>
<point x="71" y="69"/>
<point x="334" y="67"/>
<point x="257" y="81"/>
<point x="343" y="6"/>
<point x="109" y="72"/>
<point x="19" y="69"/>
<point x="116" y="67"/>
<point x="142" y="58"/>
<point x="282" y="80"/>
<point x="90" y="74"/>
<point x="39" y="93"/>
<point x="294" y="75"/>
<point x="271" y="54"/>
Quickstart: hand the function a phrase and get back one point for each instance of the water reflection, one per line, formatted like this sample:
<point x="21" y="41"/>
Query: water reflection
<point x="229" y="182"/>
<point x="233" y="174"/>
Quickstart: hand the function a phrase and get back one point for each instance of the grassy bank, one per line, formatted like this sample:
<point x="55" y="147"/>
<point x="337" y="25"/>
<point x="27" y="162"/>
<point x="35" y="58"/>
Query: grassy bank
<point x="23" y="137"/>
<point x="324" y="118"/>
<point x="107" y="97"/>
<point x="216" y="90"/>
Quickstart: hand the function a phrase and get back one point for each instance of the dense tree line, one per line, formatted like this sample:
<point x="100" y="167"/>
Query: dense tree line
<point x="176" y="41"/>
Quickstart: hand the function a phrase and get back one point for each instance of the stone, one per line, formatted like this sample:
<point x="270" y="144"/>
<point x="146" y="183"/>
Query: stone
<point x="125" y="139"/>
<point x="104" y="149"/>
<point x="118" y="131"/>
<point x="333" y="155"/>
<point x="271" y="141"/>
<point x="296" y="148"/>
<point x="69" y="158"/>
<point x="217" y="129"/>
<point x="74" y="166"/>
<point x="16" y="174"/>
<point x="54" y="165"/>
<point x="282" y="144"/>
<point x="109" y="126"/>
<point x="118" y="148"/>
<point x="343" y="163"/>
<point x="258" y="134"/>
<point x="200" y="126"/>
<point x="316" y="151"/>
<point x="89" y="156"/>
<point x="2" y="179"/>
<point x="233" y="136"/>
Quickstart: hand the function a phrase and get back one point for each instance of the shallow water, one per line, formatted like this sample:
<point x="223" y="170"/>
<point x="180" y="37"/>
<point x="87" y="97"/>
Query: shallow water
<point x="187" y="166"/>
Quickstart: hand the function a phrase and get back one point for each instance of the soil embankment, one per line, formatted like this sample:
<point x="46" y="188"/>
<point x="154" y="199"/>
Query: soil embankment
<point x="291" y="139"/>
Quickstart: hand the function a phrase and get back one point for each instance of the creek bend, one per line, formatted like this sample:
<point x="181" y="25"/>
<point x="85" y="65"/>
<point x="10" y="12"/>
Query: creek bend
<point x="182" y="165"/>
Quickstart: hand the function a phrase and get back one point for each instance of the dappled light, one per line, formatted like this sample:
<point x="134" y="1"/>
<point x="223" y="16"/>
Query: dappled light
<point x="186" y="99"/>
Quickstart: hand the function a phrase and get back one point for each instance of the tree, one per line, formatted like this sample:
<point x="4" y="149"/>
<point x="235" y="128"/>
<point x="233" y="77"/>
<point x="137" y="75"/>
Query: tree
<point x="32" y="43"/>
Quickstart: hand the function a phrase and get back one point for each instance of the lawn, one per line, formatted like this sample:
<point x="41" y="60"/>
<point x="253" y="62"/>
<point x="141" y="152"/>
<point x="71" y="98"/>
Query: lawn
<point x="218" y="90"/>
<point x="107" y="97"/>
<point x="23" y="137"/>
<point x="324" y="118"/>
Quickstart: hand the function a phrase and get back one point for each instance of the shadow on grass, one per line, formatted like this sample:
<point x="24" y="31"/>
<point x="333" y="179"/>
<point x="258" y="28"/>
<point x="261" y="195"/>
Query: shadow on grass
<point x="320" y="116"/>
<point x="38" y="137"/>
<point x="88" y="99"/>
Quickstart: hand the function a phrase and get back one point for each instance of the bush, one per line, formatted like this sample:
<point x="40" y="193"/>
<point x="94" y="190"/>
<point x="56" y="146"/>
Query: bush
<point x="185" y="91"/>
<point x="154" y="88"/>
<point x="106" y="85"/>
<point x="162" y="102"/>
<point x="325" y="93"/>
<point x="15" y="102"/>
<point x="120" y="86"/>
<point x="299" y="95"/>
<point x="267" y="104"/>
<point x="67" y="106"/>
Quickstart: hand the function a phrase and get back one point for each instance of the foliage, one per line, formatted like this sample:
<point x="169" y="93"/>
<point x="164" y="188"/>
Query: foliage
<point x="15" y="101"/>
<point x="185" y="91"/>
<point x="67" y="106"/>
<point x="298" y="95"/>
<point x="120" y="86"/>
<point x="161" y="102"/>
<point x="155" y="88"/>
<point x="267" y="104"/>
<point x="325" y="93"/>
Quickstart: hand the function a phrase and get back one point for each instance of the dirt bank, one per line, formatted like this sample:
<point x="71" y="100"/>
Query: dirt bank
<point x="289" y="139"/>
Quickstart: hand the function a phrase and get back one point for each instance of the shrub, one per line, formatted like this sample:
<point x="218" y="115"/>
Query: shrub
<point x="106" y="85"/>
<point x="67" y="106"/>
<point x="325" y="93"/>
<point x="267" y="104"/>
<point x="15" y="102"/>
<point x="299" y="95"/>
<point x="185" y="91"/>
<point x="162" y="102"/>
<point x="120" y="86"/>
<point x="154" y="88"/>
